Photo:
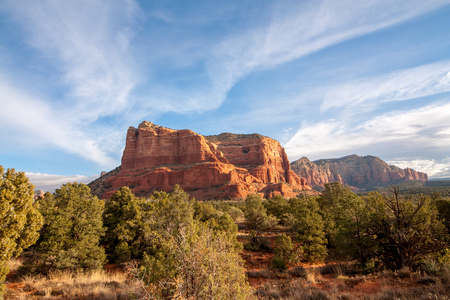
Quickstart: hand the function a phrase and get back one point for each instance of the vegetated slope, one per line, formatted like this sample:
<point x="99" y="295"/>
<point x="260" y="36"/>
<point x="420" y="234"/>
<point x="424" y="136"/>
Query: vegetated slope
<point x="363" y="172"/>
<point x="214" y="167"/>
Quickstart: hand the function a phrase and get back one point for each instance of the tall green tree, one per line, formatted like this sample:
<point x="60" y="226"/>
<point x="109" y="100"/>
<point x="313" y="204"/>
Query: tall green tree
<point x="334" y="202"/>
<point x="163" y="216"/>
<point x="256" y="216"/>
<point x="72" y="230"/>
<point x="169" y="212"/>
<point x="278" y="207"/>
<point x="345" y="218"/>
<point x="123" y="219"/>
<point x="309" y="228"/>
<point x="20" y="221"/>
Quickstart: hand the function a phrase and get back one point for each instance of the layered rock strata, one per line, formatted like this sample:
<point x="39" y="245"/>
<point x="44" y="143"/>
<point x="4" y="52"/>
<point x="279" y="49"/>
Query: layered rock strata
<point x="216" y="167"/>
<point x="353" y="170"/>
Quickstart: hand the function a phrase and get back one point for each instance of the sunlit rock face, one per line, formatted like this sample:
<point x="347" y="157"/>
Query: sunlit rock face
<point x="226" y="166"/>
<point x="353" y="170"/>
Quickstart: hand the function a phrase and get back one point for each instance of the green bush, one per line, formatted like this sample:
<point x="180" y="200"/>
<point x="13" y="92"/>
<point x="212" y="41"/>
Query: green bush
<point x="256" y="243"/>
<point x="405" y="229"/>
<point x="278" y="262"/>
<point x="196" y="263"/>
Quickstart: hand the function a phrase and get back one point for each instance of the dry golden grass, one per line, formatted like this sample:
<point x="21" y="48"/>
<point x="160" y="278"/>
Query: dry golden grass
<point x="386" y="285"/>
<point x="313" y="274"/>
<point x="76" y="285"/>
<point x="14" y="264"/>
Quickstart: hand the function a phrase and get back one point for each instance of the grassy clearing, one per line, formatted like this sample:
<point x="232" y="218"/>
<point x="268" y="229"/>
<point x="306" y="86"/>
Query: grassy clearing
<point x="76" y="285"/>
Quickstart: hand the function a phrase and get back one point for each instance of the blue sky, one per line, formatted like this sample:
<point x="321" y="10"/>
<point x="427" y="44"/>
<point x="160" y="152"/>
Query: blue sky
<point x="325" y="78"/>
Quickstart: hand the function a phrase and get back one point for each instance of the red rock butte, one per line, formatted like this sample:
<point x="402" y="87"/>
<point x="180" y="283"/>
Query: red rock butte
<point x="225" y="166"/>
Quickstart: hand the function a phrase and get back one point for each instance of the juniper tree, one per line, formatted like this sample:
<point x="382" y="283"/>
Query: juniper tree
<point x="278" y="207"/>
<point x="309" y="228"/>
<point x="405" y="229"/>
<point x="72" y="230"/>
<point x="256" y="216"/>
<point x="196" y="263"/>
<point x="19" y="219"/>
<point x="123" y="220"/>
<point x="346" y="219"/>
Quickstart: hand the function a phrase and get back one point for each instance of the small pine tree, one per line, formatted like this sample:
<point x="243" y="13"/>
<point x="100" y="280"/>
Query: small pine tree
<point x="285" y="248"/>
<point x="73" y="227"/>
<point x="122" y="219"/>
<point x="309" y="227"/>
<point x="19" y="219"/>
<point x="256" y="216"/>
<point x="278" y="207"/>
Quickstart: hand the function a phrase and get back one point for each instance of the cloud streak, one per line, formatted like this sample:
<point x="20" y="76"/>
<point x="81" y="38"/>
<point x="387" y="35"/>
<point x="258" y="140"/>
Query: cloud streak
<point x="300" y="29"/>
<point x="88" y="43"/>
<point x="38" y="123"/>
<point x="294" y="29"/>
<point x="423" y="130"/>
<point x="425" y="80"/>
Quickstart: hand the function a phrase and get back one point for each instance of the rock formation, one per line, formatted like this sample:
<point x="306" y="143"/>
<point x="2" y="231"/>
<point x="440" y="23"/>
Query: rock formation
<point x="39" y="194"/>
<point x="353" y="170"/>
<point x="216" y="167"/>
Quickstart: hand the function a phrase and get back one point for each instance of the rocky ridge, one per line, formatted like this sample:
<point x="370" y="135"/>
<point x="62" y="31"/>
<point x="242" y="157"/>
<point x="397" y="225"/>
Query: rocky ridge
<point x="353" y="170"/>
<point x="214" y="167"/>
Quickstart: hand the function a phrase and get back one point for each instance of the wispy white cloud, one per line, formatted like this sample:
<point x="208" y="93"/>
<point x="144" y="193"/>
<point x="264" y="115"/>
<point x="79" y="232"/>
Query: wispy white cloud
<point x="36" y="122"/>
<point x="50" y="182"/>
<point x="423" y="130"/>
<point x="288" y="30"/>
<point x="301" y="28"/>
<point x="400" y="85"/>
<point x="88" y="43"/>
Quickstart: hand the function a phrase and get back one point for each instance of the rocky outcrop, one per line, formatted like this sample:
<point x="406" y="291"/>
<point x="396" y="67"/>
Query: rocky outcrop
<point x="39" y="194"/>
<point x="216" y="167"/>
<point x="315" y="175"/>
<point x="353" y="170"/>
<point x="263" y="157"/>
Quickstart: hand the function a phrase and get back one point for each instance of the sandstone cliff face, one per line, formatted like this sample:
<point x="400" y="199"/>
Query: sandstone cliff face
<point x="314" y="174"/>
<point x="353" y="170"/>
<point x="157" y="158"/>
<point x="263" y="157"/>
